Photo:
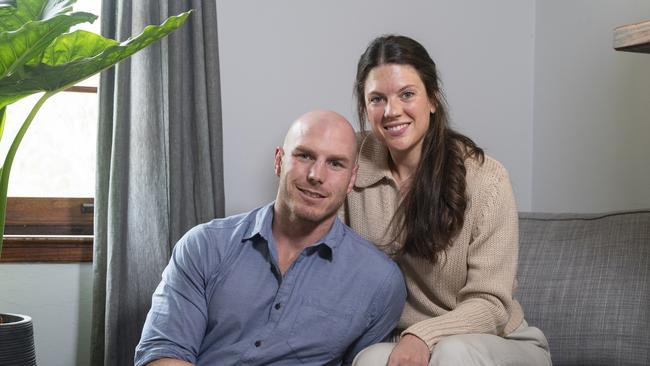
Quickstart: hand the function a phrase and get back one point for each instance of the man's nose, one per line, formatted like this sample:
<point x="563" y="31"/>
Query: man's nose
<point x="316" y="172"/>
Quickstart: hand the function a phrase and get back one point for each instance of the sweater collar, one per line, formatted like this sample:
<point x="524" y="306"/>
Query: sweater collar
<point x="373" y="162"/>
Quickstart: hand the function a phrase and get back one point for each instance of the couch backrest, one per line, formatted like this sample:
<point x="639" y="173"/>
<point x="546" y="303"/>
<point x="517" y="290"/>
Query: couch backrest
<point x="585" y="281"/>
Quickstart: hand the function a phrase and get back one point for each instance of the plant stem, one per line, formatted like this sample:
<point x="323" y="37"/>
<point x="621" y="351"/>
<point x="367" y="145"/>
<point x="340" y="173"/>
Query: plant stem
<point x="9" y="159"/>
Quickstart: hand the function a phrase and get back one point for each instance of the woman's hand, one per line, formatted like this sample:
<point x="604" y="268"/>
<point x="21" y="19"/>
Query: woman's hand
<point x="410" y="351"/>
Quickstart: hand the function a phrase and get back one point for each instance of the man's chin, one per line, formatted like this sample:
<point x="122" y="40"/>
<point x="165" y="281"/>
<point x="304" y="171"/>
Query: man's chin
<point x="313" y="216"/>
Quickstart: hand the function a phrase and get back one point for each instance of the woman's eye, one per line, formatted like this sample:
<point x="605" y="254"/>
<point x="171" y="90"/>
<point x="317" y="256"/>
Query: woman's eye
<point x="407" y="94"/>
<point x="374" y="100"/>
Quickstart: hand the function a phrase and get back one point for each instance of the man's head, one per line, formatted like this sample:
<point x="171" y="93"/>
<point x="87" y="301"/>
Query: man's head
<point x="316" y="166"/>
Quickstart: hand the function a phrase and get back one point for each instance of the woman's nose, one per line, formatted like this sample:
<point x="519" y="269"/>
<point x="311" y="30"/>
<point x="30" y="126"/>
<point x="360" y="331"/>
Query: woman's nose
<point x="393" y="108"/>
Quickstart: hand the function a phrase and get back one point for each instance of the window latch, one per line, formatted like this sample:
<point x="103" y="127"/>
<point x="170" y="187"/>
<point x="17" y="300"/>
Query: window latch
<point x="87" y="208"/>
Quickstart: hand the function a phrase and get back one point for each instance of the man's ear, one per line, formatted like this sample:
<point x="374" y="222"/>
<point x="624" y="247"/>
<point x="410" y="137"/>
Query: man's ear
<point x="277" y="166"/>
<point x="353" y="178"/>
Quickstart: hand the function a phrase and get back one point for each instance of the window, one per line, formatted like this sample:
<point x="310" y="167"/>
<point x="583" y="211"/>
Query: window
<point x="51" y="187"/>
<point x="49" y="213"/>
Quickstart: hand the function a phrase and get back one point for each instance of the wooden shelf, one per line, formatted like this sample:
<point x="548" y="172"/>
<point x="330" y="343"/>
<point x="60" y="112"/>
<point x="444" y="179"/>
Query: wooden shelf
<point x="633" y="37"/>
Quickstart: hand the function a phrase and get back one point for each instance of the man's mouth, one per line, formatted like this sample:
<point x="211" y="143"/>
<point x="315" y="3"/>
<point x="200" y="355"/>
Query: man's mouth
<point x="310" y="193"/>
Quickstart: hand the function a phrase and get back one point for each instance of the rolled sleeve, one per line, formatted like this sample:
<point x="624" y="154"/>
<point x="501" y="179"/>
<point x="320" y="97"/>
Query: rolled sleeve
<point x="177" y="321"/>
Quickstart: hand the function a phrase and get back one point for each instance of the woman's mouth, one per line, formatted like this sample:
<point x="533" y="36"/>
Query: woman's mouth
<point x="396" y="129"/>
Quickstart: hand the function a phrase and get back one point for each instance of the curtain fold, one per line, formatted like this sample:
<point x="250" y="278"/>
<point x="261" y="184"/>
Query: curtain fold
<point x="159" y="163"/>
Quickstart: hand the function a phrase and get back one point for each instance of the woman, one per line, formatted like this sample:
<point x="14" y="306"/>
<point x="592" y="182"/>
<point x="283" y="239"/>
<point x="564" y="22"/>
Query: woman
<point x="445" y="211"/>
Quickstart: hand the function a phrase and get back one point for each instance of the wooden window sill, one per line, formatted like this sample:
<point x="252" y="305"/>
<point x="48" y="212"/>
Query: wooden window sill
<point x="48" y="230"/>
<point x="47" y="249"/>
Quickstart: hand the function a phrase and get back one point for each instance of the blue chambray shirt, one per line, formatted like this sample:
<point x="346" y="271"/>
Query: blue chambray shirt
<point x="223" y="301"/>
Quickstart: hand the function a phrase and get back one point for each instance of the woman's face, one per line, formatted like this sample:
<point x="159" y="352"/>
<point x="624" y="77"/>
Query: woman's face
<point x="398" y="108"/>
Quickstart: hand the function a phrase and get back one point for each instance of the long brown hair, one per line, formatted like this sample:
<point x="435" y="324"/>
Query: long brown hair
<point x="432" y="211"/>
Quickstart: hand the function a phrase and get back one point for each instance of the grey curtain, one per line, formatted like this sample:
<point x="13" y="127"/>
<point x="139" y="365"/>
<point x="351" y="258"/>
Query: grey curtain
<point x="159" y="163"/>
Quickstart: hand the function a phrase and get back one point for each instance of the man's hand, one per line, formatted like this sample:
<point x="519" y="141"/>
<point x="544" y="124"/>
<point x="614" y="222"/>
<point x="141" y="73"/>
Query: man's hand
<point x="169" y="362"/>
<point x="410" y="351"/>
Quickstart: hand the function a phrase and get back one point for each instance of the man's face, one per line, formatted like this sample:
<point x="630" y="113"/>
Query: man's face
<point x="316" y="167"/>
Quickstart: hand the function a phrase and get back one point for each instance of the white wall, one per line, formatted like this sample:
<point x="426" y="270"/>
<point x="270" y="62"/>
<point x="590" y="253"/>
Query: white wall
<point x="58" y="298"/>
<point x="592" y="109"/>
<point x="282" y="58"/>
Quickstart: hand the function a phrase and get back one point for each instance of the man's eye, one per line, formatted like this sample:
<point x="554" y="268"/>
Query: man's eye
<point x="336" y="164"/>
<point x="303" y="156"/>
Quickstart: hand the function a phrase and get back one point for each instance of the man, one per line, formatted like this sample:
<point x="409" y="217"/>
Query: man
<point x="284" y="284"/>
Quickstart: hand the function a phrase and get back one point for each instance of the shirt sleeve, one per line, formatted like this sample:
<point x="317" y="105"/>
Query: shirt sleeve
<point x="177" y="321"/>
<point x="383" y="314"/>
<point x="492" y="266"/>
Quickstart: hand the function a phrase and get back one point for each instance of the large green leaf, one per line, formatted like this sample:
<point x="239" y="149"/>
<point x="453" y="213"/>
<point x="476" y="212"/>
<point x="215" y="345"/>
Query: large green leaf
<point x="76" y="56"/>
<point x="26" y="43"/>
<point x="32" y="10"/>
<point x="76" y="46"/>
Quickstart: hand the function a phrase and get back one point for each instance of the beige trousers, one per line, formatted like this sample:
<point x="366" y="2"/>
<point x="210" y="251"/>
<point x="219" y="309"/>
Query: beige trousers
<point x="525" y="346"/>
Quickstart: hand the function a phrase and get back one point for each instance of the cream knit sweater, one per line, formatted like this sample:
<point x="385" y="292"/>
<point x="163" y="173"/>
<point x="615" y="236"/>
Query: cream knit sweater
<point x="470" y="289"/>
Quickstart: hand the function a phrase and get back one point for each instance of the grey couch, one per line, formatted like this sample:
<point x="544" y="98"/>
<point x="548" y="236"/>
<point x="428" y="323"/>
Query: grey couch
<point x="585" y="281"/>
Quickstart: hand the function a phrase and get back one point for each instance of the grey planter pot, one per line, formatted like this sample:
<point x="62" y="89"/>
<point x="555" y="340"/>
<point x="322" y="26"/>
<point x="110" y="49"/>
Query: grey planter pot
<point x="17" y="340"/>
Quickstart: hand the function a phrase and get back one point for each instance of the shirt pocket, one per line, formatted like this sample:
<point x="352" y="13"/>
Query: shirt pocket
<point x="320" y="331"/>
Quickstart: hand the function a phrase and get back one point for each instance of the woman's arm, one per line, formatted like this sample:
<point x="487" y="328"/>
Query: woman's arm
<point x="484" y="303"/>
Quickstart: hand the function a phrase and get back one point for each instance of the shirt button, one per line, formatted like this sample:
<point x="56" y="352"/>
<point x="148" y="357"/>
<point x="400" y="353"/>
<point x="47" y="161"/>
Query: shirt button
<point x="278" y="306"/>
<point x="258" y="343"/>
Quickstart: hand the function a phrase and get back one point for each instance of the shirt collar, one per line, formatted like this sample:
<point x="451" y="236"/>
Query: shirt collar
<point x="262" y="223"/>
<point x="373" y="162"/>
<point x="262" y="227"/>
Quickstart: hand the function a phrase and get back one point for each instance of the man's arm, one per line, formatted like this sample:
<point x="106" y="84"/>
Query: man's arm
<point x="385" y="311"/>
<point x="175" y="326"/>
<point x="169" y="362"/>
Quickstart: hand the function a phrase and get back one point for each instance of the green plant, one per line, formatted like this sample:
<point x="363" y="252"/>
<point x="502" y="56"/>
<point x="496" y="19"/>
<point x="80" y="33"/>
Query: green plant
<point x="39" y="54"/>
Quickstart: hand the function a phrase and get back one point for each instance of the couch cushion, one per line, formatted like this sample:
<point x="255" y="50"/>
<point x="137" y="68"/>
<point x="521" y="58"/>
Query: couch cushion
<point x="584" y="280"/>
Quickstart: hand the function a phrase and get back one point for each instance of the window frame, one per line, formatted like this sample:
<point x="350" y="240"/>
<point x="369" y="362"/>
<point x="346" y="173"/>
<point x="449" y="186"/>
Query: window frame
<point x="49" y="229"/>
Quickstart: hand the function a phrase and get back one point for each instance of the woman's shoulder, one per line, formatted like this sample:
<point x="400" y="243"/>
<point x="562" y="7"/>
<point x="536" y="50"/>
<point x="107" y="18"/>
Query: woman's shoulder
<point x="487" y="167"/>
<point x="369" y="146"/>
<point x="486" y="173"/>
<point x="372" y="159"/>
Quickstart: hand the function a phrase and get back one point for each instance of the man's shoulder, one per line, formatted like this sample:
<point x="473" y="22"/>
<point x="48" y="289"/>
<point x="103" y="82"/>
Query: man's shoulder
<point x="221" y="232"/>
<point x="245" y="221"/>
<point x="359" y="248"/>
<point x="227" y="223"/>
<point x="370" y="271"/>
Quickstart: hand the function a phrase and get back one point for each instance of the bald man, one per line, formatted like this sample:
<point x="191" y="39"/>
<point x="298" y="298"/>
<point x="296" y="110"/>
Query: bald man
<point x="284" y="284"/>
